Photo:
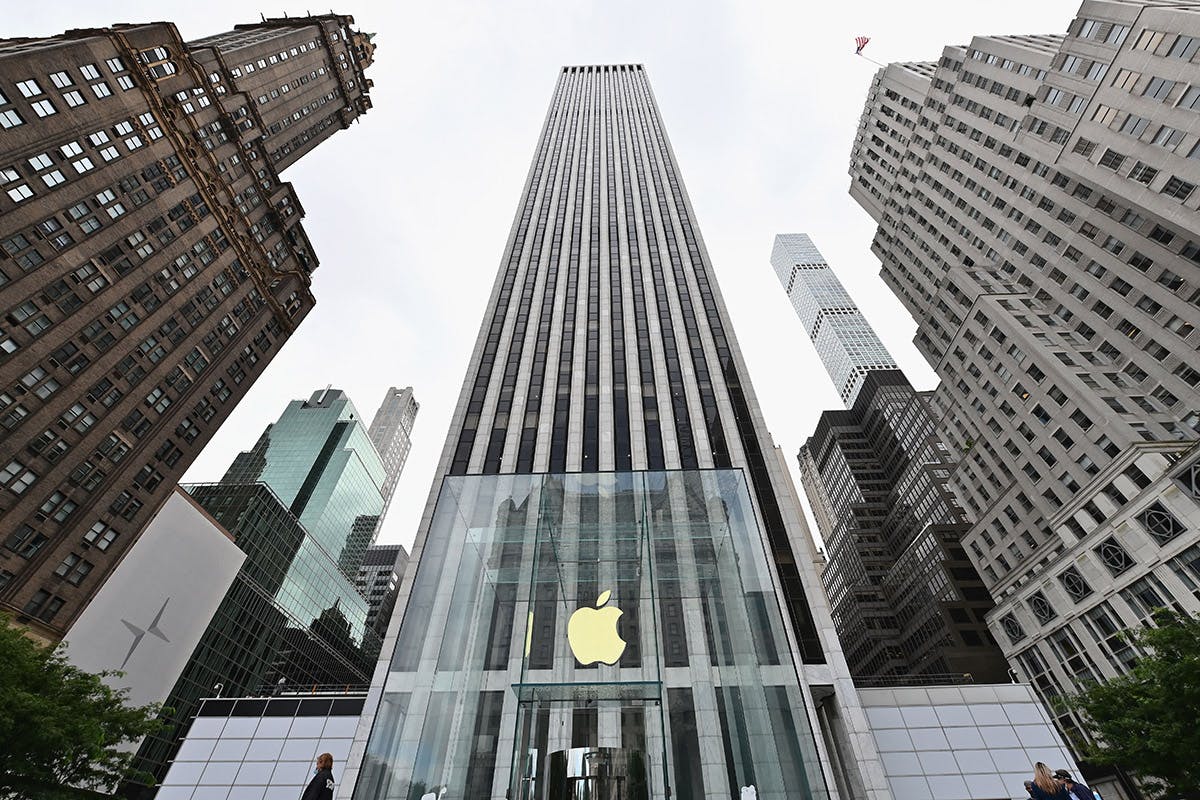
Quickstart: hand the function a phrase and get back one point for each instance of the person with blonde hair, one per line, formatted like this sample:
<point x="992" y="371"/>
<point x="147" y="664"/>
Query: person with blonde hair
<point x="1045" y="786"/>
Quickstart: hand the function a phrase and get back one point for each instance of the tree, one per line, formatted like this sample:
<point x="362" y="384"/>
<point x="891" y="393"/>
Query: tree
<point x="1148" y="721"/>
<point x="61" y="727"/>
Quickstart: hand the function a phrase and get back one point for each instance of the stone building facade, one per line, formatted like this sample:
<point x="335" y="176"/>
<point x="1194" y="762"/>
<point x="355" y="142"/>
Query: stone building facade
<point x="152" y="263"/>
<point x="1037" y="216"/>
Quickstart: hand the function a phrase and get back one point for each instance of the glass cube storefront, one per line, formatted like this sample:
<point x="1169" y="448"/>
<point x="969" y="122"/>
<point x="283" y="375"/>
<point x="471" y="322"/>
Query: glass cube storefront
<point x="611" y="635"/>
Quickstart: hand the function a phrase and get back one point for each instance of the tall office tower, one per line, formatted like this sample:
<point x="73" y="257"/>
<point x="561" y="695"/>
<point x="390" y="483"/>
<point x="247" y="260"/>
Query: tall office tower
<point x="379" y="579"/>
<point x="320" y="462"/>
<point x="391" y="432"/>
<point x="1037" y="215"/>
<point x="298" y="504"/>
<point x="845" y="342"/>
<point x="152" y="263"/>
<point x="614" y="586"/>
<point x="905" y="598"/>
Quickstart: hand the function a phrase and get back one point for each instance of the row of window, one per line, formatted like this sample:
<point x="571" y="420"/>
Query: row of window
<point x="72" y="95"/>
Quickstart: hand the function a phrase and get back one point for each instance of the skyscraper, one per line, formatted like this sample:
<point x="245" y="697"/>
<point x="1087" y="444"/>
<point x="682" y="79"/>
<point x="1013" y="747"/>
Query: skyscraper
<point x="299" y="504"/>
<point x="845" y="342"/>
<point x="905" y="599"/>
<point x="152" y="263"/>
<point x="391" y="431"/>
<point x="611" y="536"/>
<point x="320" y="462"/>
<point x="1037" y="215"/>
<point x="378" y="581"/>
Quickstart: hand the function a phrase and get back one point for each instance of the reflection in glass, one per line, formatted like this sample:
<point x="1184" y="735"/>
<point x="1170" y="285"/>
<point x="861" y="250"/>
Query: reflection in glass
<point x="486" y="697"/>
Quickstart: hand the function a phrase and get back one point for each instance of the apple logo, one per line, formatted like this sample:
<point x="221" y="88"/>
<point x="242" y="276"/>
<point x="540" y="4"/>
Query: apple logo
<point x="592" y="633"/>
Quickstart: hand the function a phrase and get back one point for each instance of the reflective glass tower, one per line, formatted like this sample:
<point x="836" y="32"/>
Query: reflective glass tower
<point x="845" y="341"/>
<point x="614" y="589"/>
<point x="319" y="460"/>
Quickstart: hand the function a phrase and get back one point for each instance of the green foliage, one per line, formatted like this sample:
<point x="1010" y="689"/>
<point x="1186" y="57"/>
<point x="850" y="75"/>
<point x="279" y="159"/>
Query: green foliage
<point x="60" y="727"/>
<point x="1148" y="722"/>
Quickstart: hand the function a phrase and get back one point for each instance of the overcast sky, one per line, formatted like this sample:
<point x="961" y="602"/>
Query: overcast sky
<point x="409" y="209"/>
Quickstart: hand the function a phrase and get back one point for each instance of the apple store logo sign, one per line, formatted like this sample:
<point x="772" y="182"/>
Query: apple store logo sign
<point x="592" y="633"/>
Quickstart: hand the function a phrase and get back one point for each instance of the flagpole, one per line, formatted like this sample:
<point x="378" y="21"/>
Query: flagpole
<point x="873" y="61"/>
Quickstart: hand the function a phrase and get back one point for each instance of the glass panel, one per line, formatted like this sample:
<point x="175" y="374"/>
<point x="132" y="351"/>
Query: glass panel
<point x="612" y="632"/>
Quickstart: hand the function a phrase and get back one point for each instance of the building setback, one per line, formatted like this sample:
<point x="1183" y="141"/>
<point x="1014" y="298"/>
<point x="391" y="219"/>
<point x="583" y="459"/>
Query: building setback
<point x="845" y="342"/>
<point x="391" y="432"/>
<point x="1037" y="216"/>
<point x="607" y="451"/>
<point x="152" y="263"/>
<point x="905" y="599"/>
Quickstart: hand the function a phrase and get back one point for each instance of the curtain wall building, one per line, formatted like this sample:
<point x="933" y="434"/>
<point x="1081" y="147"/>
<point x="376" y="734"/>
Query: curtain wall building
<point x="612" y="583"/>
<point x="905" y="598"/>
<point x="321" y="462"/>
<point x="152" y="263"/>
<point x="302" y="505"/>
<point x="1037" y="208"/>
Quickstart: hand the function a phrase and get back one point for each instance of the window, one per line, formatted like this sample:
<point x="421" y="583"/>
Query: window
<point x="1041" y="607"/>
<point x="1168" y="138"/>
<point x="74" y="98"/>
<point x="1161" y="235"/>
<point x="1160" y="523"/>
<point x="61" y="79"/>
<point x="1114" y="557"/>
<point x="1143" y="173"/>
<point x="16" y="478"/>
<point x="44" y="108"/>
<point x="20" y="193"/>
<point x="1158" y="88"/>
<point x="43" y="605"/>
<point x="25" y="541"/>
<point x="1125" y="79"/>
<point x="90" y="72"/>
<point x="29" y="88"/>
<point x="1075" y="584"/>
<point x="1112" y="159"/>
<point x="1012" y="629"/>
<point x="73" y="569"/>
<point x="1191" y="99"/>
<point x="1178" y="188"/>
<point x="100" y="536"/>
<point x="1169" y="279"/>
<point x="1134" y="125"/>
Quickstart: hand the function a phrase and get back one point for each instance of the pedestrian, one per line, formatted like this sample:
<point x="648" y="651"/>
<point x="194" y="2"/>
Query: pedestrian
<point x="1077" y="790"/>
<point x="321" y="786"/>
<point x="1044" y="786"/>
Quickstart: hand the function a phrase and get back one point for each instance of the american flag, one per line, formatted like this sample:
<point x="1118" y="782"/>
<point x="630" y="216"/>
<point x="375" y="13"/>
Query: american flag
<point x="861" y="42"/>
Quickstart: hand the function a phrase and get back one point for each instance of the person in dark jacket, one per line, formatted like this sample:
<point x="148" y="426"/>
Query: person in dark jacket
<point x="321" y="786"/>
<point x="1044" y="786"/>
<point x="1077" y="790"/>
